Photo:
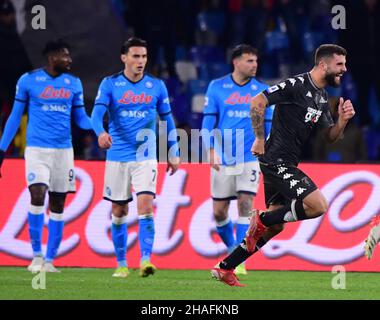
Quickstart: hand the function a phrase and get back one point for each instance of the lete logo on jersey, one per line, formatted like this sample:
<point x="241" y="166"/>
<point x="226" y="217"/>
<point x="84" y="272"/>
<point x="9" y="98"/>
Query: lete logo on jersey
<point x="129" y="97"/>
<point x="236" y="98"/>
<point x="49" y="93"/>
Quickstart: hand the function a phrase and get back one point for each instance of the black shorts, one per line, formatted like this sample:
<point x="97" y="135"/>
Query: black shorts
<point x="283" y="183"/>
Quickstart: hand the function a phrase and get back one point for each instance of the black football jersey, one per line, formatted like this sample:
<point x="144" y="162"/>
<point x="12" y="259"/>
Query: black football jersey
<point x="300" y="107"/>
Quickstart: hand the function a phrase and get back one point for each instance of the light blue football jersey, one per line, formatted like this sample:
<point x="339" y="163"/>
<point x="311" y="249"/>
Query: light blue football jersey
<point x="230" y="103"/>
<point x="49" y="101"/>
<point x="132" y="109"/>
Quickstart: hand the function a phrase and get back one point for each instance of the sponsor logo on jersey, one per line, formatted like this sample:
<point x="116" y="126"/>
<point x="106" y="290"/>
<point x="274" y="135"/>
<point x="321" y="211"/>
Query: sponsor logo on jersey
<point x="129" y="97"/>
<point x="308" y="94"/>
<point x="236" y="98"/>
<point x="40" y="78"/>
<point x="322" y="100"/>
<point x="133" y="113"/>
<point x="54" y="107"/>
<point x="228" y="85"/>
<point x="301" y="79"/>
<point x="50" y="92"/>
<point x="120" y="83"/>
<point x="312" y="115"/>
<point x="238" y="114"/>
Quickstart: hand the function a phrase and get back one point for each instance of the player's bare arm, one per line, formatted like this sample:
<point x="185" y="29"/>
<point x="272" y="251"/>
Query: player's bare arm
<point x="345" y="111"/>
<point x="257" y="112"/>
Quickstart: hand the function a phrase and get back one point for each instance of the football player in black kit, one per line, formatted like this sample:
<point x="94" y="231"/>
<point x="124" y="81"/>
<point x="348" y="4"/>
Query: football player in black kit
<point x="290" y="195"/>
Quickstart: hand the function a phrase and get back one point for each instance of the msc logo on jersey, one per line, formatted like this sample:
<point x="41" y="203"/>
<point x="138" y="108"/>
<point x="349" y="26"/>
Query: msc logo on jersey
<point x="129" y="97"/>
<point x="238" y="114"/>
<point x="133" y="114"/>
<point x="54" y="107"/>
<point x="312" y="115"/>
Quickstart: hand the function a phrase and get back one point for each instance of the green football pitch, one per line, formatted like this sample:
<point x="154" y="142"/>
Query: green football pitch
<point x="81" y="283"/>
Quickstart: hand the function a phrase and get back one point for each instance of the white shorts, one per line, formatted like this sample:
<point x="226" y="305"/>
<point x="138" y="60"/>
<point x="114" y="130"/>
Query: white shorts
<point x="231" y="180"/>
<point x="51" y="167"/>
<point x="119" y="177"/>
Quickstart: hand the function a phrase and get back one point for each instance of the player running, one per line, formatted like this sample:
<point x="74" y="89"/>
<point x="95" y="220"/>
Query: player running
<point x="51" y="95"/>
<point x="132" y="100"/>
<point x="233" y="177"/>
<point x="290" y="195"/>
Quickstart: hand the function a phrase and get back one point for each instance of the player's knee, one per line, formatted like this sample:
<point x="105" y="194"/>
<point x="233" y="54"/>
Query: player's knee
<point x="37" y="195"/>
<point x="119" y="211"/>
<point x="220" y="215"/>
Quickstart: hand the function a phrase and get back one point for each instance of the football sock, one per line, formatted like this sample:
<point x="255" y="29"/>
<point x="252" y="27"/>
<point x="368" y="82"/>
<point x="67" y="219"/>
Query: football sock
<point x="292" y="211"/>
<point x="239" y="255"/>
<point x="36" y="225"/>
<point x="146" y="236"/>
<point x="119" y="234"/>
<point x="241" y="229"/>
<point x="55" y="227"/>
<point x="225" y="230"/>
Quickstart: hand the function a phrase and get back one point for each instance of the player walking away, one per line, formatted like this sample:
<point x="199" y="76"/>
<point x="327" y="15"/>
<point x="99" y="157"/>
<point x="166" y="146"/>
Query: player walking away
<point x="132" y="100"/>
<point x="227" y="109"/>
<point x="290" y="195"/>
<point x="50" y="94"/>
<point x="373" y="237"/>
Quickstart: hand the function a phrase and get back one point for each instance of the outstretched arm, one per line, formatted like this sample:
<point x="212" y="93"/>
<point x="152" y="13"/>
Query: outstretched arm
<point x="257" y="112"/>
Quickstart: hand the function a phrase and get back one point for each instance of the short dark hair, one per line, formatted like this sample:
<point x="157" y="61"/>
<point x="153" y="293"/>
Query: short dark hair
<point x="132" y="42"/>
<point x="327" y="51"/>
<point x="240" y="49"/>
<point x="55" y="46"/>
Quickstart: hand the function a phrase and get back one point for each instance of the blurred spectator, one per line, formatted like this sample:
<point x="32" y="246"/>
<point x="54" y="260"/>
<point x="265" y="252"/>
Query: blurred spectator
<point x="13" y="60"/>
<point x="352" y="148"/>
<point x="363" y="20"/>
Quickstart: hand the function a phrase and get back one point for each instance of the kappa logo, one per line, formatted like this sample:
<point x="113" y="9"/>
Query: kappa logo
<point x="292" y="81"/>
<point x="120" y="84"/>
<point x="228" y="86"/>
<point x="308" y="94"/>
<point x="281" y="170"/>
<point x="293" y="183"/>
<point x="287" y="176"/>
<point x="301" y="79"/>
<point x="39" y="78"/>
<point x="282" y="85"/>
<point x="300" y="191"/>
<point x="322" y="100"/>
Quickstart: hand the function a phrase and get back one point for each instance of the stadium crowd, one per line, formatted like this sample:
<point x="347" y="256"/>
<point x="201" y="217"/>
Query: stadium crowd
<point x="190" y="44"/>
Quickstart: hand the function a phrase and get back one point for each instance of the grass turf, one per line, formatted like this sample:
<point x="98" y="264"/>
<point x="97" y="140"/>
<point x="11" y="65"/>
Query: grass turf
<point x="82" y="283"/>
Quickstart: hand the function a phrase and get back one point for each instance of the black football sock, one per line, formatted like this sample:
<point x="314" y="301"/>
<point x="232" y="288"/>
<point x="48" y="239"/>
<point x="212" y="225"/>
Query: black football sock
<point x="239" y="255"/>
<point x="292" y="211"/>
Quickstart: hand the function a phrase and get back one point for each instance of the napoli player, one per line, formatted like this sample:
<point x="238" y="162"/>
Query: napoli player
<point x="51" y="95"/>
<point x="233" y="177"/>
<point x="132" y="100"/>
